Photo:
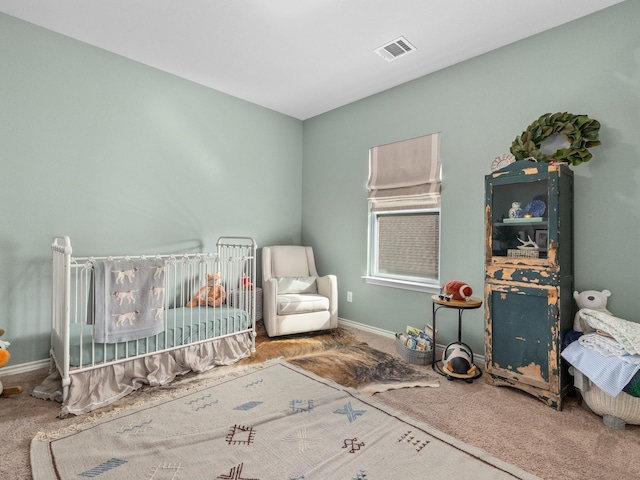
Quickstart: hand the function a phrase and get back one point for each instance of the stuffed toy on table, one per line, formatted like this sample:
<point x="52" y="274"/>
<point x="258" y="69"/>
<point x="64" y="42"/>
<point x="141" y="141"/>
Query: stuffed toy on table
<point x="456" y="290"/>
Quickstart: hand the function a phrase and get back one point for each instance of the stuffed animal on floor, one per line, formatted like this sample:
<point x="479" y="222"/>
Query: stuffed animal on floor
<point x="245" y="282"/>
<point x="211" y="294"/>
<point x="457" y="360"/>
<point x="456" y="290"/>
<point x="589" y="299"/>
<point x="4" y="359"/>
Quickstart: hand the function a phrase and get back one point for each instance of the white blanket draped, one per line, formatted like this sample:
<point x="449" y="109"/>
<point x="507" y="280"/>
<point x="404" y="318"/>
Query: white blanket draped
<point x="626" y="333"/>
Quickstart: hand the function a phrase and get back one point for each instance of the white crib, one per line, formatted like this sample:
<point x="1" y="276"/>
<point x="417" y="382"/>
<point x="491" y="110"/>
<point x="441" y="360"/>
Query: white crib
<point x="89" y="373"/>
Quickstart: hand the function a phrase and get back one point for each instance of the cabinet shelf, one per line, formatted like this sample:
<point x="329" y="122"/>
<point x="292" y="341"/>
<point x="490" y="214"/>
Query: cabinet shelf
<point x="517" y="222"/>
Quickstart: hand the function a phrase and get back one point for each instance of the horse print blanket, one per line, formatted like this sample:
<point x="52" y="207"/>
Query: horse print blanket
<point x="128" y="299"/>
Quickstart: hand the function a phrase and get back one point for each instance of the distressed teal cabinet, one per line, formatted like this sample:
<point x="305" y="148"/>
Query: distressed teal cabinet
<point x="528" y="291"/>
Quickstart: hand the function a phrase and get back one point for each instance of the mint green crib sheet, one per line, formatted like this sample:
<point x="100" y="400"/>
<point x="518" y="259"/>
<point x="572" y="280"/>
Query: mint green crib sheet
<point x="183" y="326"/>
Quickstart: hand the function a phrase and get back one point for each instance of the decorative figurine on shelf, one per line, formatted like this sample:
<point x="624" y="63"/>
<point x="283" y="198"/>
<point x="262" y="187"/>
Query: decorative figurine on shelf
<point x="515" y="211"/>
<point x="535" y="208"/>
<point x="456" y="290"/>
<point x="528" y="245"/>
<point x="4" y="359"/>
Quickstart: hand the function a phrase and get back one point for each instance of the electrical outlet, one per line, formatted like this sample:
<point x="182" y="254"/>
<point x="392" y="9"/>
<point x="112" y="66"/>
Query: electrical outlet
<point x="349" y="296"/>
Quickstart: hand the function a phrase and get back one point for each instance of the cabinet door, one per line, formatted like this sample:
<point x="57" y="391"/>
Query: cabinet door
<point x="522" y="334"/>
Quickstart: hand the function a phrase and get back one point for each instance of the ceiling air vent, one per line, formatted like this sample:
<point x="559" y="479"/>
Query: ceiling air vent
<point x="395" y="49"/>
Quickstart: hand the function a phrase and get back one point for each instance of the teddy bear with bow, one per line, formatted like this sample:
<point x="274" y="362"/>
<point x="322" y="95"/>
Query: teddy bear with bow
<point x="212" y="294"/>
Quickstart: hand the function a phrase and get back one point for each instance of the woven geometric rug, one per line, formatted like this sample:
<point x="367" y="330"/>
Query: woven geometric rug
<point x="274" y="421"/>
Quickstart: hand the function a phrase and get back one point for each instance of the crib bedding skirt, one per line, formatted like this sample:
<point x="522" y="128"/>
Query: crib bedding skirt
<point x="101" y="386"/>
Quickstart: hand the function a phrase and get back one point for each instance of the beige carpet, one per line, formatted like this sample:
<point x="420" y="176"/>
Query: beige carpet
<point x="274" y="421"/>
<point x="508" y="424"/>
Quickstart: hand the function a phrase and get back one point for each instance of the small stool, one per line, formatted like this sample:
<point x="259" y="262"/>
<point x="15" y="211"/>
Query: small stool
<point x="461" y="306"/>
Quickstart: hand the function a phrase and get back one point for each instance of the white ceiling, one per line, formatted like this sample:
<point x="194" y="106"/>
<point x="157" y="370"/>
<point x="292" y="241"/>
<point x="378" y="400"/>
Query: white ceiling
<point x="298" y="57"/>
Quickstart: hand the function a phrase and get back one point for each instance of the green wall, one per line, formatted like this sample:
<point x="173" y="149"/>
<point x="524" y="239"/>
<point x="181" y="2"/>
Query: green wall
<point x="589" y="66"/>
<point x="124" y="159"/>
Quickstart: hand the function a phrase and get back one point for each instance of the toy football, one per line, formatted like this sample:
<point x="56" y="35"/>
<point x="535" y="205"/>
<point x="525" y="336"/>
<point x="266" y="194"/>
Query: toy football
<point x="456" y="290"/>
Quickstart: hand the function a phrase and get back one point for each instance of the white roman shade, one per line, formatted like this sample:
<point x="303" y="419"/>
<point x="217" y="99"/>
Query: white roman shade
<point x="405" y="175"/>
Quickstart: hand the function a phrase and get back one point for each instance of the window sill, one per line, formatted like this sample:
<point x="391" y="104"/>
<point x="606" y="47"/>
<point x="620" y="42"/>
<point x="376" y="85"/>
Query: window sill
<point x="402" y="284"/>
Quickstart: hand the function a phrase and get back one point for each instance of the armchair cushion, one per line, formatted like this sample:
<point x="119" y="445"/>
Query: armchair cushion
<point x="294" y="303"/>
<point x="302" y="285"/>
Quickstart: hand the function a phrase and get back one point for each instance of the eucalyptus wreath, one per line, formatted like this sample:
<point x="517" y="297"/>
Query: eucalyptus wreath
<point x="582" y="133"/>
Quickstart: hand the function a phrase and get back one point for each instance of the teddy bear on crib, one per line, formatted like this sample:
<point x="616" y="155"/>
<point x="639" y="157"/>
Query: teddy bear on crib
<point x="4" y="359"/>
<point x="211" y="294"/>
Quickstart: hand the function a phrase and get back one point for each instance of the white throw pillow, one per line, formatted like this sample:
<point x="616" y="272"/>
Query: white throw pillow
<point x="296" y="285"/>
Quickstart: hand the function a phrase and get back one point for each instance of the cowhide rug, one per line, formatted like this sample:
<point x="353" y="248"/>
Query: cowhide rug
<point x="339" y="356"/>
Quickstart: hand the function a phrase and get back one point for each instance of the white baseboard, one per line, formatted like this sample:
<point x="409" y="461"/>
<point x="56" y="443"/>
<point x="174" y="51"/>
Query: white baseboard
<point x="478" y="359"/>
<point x="366" y="328"/>
<point x="38" y="364"/>
<point x="25" y="367"/>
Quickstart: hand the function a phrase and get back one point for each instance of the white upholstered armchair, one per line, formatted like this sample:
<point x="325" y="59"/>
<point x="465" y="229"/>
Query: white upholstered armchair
<point x="295" y="298"/>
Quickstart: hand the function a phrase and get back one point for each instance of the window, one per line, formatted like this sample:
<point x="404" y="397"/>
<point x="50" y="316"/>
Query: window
<point x="404" y="205"/>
